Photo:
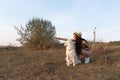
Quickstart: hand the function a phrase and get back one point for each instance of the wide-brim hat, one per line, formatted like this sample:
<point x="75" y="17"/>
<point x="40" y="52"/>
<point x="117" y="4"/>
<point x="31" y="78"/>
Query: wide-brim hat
<point x="79" y="34"/>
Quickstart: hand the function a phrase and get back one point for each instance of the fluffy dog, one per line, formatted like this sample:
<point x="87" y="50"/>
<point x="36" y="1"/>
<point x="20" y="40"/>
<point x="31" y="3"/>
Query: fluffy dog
<point x="71" y="56"/>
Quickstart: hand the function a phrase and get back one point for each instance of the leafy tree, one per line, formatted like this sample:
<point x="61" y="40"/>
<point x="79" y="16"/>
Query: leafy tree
<point x="37" y="34"/>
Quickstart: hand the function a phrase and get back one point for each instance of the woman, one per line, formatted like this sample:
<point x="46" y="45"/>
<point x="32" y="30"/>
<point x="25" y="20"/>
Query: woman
<point x="81" y="46"/>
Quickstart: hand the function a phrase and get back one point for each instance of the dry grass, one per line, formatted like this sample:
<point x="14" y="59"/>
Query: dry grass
<point x="50" y="65"/>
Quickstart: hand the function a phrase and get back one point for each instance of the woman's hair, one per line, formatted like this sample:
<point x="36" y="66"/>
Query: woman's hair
<point x="78" y="44"/>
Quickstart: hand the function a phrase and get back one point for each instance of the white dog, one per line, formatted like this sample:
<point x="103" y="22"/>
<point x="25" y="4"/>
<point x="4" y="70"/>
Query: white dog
<point x="71" y="56"/>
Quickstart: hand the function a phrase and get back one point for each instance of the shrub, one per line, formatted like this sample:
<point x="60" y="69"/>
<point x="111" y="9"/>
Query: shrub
<point x="37" y="34"/>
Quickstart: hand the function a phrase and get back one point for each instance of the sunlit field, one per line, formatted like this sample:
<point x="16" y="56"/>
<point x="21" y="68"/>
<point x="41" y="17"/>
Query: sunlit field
<point x="18" y="64"/>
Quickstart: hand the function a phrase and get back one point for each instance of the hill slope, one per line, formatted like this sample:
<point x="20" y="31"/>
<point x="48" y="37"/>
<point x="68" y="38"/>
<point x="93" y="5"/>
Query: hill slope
<point x="51" y="65"/>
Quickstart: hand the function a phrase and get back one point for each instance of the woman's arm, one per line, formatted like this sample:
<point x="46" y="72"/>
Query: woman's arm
<point x="85" y="43"/>
<point x="64" y="39"/>
<point x="58" y="38"/>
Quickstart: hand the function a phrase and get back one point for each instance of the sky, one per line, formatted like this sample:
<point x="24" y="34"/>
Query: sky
<point x="67" y="16"/>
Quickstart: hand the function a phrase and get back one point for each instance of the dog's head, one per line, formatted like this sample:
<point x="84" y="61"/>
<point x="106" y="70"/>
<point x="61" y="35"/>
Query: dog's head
<point x="69" y="44"/>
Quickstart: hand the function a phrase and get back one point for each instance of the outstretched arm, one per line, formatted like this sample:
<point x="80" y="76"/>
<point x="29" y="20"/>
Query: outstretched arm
<point x="58" y="38"/>
<point x="64" y="39"/>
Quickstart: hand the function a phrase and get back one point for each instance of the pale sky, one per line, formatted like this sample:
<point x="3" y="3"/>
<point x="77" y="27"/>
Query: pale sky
<point x="67" y="16"/>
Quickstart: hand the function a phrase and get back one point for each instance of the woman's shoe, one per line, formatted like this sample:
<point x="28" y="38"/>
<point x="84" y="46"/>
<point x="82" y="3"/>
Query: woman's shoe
<point x="87" y="60"/>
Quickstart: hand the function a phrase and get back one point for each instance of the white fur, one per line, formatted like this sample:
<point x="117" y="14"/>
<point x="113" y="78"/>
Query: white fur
<point x="71" y="56"/>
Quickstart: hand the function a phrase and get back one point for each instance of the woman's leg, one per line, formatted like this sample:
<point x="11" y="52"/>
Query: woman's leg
<point x="86" y="55"/>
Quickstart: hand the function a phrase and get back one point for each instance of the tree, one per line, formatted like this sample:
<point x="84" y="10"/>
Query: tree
<point x="37" y="34"/>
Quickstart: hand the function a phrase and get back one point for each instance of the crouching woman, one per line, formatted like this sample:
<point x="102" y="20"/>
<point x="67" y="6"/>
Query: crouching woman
<point x="81" y="46"/>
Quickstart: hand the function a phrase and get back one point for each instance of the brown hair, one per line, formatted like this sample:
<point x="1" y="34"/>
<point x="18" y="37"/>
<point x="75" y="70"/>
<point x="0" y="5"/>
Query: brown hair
<point x="78" y="44"/>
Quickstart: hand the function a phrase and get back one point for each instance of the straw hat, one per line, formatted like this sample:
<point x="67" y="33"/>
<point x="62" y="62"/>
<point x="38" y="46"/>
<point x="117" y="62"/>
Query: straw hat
<point x="78" y="34"/>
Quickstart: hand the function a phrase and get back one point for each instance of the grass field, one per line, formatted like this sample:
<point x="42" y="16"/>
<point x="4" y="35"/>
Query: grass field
<point x="16" y="64"/>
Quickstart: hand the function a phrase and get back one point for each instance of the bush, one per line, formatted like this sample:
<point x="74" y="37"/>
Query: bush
<point x="37" y="34"/>
<point x="114" y="43"/>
